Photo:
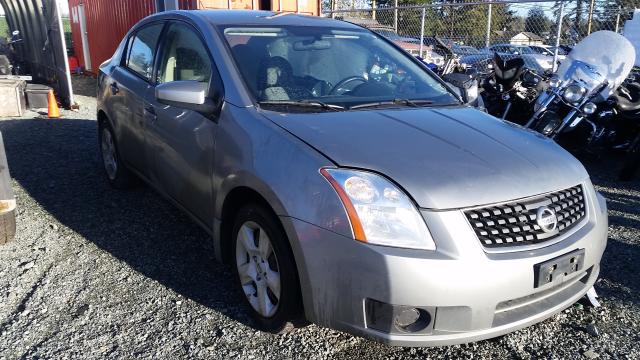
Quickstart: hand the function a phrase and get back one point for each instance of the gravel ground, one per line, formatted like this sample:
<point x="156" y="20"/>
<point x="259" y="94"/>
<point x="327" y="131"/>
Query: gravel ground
<point x="100" y="273"/>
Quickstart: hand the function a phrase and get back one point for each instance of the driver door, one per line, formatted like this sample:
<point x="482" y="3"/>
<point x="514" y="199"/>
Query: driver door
<point x="183" y="141"/>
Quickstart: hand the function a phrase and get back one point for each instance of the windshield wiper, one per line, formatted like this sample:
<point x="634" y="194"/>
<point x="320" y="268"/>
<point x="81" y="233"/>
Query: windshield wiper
<point x="303" y="103"/>
<point x="405" y="102"/>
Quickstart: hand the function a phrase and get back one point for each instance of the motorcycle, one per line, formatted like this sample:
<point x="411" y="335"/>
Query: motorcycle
<point x="510" y="89"/>
<point x="628" y="109"/>
<point x="586" y="79"/>
<point x="8" y="62"/>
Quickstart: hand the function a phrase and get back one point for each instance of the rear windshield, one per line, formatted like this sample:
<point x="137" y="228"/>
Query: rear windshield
<point x="334" y="66"/>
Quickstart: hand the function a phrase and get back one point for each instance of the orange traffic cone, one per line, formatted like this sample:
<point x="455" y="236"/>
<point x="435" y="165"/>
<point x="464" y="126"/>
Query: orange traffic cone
<point x="54" y="111"/>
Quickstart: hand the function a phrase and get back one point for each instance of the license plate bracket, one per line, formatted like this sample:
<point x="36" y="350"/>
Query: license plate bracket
<point x="563" y="265"/>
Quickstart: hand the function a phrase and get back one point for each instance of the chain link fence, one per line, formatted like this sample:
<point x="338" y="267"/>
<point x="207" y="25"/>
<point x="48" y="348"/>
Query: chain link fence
<point x="439" y="29"/>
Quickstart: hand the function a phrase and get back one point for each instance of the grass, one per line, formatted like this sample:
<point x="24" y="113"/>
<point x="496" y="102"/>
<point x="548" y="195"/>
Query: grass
<point x="4" y="27"/>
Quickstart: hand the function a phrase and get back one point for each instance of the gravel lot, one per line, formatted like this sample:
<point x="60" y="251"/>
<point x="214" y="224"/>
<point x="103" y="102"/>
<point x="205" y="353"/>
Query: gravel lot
<point x="100" y="273"/>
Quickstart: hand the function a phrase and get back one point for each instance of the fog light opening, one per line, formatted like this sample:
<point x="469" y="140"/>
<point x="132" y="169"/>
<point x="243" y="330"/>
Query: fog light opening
<point x="411" y="319"/>
<point x="398" y="319"/>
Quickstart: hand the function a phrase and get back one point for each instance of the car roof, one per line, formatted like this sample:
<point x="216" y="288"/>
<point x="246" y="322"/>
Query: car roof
<point x="512" y="45"/>
<point x="264" y="18"/>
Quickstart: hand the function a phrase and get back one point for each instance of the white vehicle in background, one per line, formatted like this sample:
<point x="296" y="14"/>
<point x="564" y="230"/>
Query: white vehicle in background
<point x="548" y="50"/>
<point x="632" y="33"/>
<point x="532" y="59"/>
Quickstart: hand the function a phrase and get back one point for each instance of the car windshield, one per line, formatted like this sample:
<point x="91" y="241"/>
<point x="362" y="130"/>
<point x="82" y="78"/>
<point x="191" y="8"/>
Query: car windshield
<point x="523" y="50"/>
<point x="466" y="50"/>
<point x="330" y="69"/>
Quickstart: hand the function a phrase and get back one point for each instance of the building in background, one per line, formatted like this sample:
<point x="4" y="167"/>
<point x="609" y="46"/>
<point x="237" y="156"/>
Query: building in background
<point x="527" y="38"/>
<point x="98" y="26"/>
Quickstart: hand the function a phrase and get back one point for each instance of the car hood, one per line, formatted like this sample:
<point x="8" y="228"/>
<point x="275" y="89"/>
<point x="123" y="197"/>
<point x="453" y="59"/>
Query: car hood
<point x="444" y="158"/>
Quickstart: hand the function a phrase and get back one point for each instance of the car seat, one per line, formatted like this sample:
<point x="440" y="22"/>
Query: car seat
<point x="277" y="82"/>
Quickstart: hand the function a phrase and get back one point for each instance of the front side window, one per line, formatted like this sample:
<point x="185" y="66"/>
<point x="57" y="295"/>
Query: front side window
<point x="184" y="56"/>
<point x="328" y="65"/>
<point x="142" y="48"/>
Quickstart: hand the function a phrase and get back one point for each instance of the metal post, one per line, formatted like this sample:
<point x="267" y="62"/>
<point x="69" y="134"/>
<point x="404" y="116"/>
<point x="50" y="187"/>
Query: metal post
<point x="558" y="34"/>
<point x="395" y="16"/>
<point x="618" y="20"/>
<point x="373" y="9"/>
<point x="487" y="41"/>
<point x="590" y="21"/>
<point x="424" y="11"/>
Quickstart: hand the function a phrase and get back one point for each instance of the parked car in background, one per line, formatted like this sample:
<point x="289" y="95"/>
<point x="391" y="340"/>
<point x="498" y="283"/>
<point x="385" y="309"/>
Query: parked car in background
<point x="548" y="51"/>
<point x="464" y="50"/>
<point x="408" y="44"/>
<point x="532" y="59"/>
<point x="345" y="183"/>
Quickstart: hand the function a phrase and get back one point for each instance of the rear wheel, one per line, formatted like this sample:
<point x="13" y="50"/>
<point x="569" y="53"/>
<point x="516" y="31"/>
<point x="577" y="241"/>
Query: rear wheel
<point x="265" y="270"/>
<point x="118" y="175"/>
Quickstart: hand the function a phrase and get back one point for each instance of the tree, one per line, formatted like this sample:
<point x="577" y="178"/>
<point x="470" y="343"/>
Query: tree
<point x="537" y="22"/>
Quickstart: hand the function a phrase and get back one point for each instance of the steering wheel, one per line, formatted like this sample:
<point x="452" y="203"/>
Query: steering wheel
<point x="342" y="83"/>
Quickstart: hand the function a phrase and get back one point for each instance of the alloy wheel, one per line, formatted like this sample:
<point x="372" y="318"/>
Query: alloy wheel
<point x="258" y="269"/>
<point x="109" y="154"/>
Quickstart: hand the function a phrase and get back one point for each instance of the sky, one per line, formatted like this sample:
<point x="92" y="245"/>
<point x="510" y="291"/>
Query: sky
<point x="63" y="4"/>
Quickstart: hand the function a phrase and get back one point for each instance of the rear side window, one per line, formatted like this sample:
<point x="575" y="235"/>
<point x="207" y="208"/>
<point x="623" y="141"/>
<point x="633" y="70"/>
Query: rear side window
<point x="142" y="47"/>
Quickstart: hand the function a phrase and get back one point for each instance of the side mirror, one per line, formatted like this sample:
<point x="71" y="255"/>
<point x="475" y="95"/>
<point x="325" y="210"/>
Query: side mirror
<point x="190" y="95"/>
<point x="466" y="84"/>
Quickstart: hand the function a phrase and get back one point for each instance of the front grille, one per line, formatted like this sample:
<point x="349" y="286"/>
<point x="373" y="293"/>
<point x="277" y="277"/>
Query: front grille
<point x="516" y="223"/>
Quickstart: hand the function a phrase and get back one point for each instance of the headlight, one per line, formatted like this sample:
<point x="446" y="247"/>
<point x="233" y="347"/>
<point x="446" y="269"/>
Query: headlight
<point x="589" y="108"/>
<point x="379" y="212"/>
<point x="574" y="93"/>
<point x="554" y="82"/>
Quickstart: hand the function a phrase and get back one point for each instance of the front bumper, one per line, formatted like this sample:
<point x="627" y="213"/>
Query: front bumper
<point x="471" y="294"/>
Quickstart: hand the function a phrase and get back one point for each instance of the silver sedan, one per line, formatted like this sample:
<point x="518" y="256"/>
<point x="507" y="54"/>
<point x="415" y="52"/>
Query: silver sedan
<point x="344" y="182"/>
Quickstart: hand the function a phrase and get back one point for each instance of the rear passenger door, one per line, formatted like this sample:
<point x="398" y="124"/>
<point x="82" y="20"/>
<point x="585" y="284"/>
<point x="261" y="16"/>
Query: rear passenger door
<point x="181" y="140"/>
<point x="131" y="81"/>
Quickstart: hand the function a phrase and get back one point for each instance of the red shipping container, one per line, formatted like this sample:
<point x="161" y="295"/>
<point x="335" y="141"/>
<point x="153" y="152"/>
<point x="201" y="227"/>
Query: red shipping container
<point x="98" y="26"/>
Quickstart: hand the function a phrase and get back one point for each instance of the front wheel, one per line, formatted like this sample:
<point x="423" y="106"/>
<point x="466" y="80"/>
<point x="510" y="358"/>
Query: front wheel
<point x="265" y="269"/>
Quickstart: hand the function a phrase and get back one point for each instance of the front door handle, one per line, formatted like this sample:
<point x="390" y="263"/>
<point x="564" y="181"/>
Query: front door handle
<point x="114" y="88"/>
<point x="150" y="113"/>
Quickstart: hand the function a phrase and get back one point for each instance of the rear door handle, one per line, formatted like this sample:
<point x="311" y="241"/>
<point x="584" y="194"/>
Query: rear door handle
<point x="114" y="88"/>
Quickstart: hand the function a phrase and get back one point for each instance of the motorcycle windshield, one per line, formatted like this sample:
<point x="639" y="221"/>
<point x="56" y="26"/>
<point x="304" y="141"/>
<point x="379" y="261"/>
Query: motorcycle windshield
<point x="603" y="55"/>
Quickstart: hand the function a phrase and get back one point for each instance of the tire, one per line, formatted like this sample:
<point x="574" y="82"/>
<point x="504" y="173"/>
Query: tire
<point x="282" y="304"/>
<point x="7" y="226"/>
<point x="117" y="173"/>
